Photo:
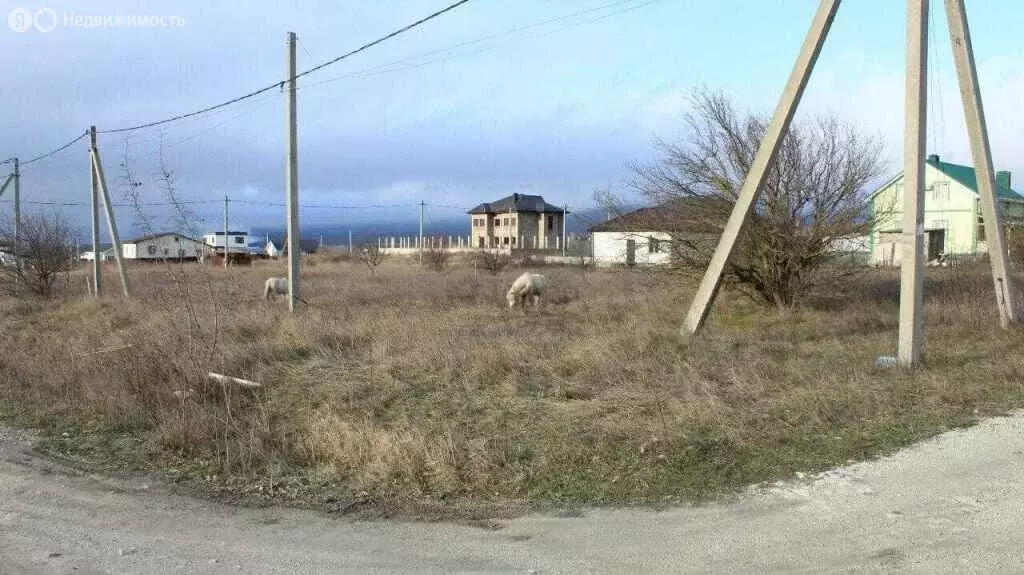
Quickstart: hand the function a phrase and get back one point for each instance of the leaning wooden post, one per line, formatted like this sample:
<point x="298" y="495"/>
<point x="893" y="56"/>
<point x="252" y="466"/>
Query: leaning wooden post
<point x="763" y="160"/>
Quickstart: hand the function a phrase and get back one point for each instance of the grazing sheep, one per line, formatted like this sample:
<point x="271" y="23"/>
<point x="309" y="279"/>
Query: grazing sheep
<point x="275" y="286"/>
<point x="527" y="285"/>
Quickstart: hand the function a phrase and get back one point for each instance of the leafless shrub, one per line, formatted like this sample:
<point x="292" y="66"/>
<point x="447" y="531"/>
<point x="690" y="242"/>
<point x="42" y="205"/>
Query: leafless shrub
<point x="493" y="262"/>
<point x="436" y="259"/>
<point x="45" y="249"/>
<point x="371" y="255"/>
<point x="812" y="197"/>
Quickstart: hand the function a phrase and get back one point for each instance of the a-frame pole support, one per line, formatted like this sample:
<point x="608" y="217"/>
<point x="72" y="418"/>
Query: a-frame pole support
<point x="764" y="159"/>
<point x="981" y="153"/>
<point x="101" y="181"/>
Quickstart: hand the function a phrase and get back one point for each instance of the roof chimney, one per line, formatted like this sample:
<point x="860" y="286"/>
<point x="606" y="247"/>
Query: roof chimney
<point x="1003" y="180"/>
<point x="933" y="159"/>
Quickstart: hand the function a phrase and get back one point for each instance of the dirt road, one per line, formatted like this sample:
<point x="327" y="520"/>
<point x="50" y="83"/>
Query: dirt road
<point x="953" y="504"/>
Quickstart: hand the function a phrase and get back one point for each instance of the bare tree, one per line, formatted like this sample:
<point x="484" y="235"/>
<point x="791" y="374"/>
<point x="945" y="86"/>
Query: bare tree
<point x="372" y="256"/>
<point x="45" y="251"/>
<point x="436" y="259"/>
<point x="812" y="199"/>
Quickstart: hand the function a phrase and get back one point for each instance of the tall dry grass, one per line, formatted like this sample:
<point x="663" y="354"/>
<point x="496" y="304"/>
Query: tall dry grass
<point x="417" y="385"/>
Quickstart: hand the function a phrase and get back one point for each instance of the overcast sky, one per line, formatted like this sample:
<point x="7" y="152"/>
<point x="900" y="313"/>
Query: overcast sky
<point x="557" y="109"/>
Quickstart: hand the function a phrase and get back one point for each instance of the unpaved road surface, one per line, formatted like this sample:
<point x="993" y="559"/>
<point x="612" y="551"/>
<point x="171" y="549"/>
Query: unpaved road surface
<point x="954" y="504"/>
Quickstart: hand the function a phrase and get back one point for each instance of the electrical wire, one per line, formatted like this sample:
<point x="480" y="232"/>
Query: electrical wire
<point x="281" y="84"/>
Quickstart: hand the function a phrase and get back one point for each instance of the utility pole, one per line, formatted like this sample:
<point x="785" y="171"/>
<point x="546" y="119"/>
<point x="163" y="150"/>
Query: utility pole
<point x="97" y="167"/>
<point x="225" y="231"/>
<point x="17" y="216"/>
<point x="911" y="262"/>
<point x="350" y="242"/>
<point x="422" y="203"/>
<point x="565" y="210"/>
<point x="764" y="158"/>
<point x="292" y="180"/>
<point x="321" y="241"/>
<point x="981" y="152"/>
<point x="96" y="270"/>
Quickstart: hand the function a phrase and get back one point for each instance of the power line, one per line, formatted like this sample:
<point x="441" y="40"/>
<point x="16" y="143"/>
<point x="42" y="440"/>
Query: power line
<point x="281" y="83"/>
<point x="385" y="68"/>
<point x="48" y="154"/>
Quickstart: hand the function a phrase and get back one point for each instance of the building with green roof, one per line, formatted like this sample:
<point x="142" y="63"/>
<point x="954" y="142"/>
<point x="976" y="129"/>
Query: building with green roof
<point x="952" y="212"/>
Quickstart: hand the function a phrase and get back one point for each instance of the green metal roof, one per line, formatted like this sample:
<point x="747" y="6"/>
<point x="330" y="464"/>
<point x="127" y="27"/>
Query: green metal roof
<point x="966" y="176"/>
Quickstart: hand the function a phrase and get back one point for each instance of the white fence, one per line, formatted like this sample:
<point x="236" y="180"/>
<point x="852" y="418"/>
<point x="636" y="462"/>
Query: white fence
<point x="410" y="245"/>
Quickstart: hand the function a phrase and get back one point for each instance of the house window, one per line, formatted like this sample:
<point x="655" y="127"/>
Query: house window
<point x="239" y="240"/>
<point x="506" y="221"/>
<point x="497" y="222"/>
<point x="981" y="229"/>
<point x="181" y="252"/>
<point x="513" y="222"/>
<point x="175" y="239"/>
<point x="504" y="240"/>
<point x="940" y="191"/>
<point x="513" y="241"/>
<point x="653" y="245"/>
<point x="151" y="250"/>
<point x="551" y="223"/>
<point x="166" y="251"/>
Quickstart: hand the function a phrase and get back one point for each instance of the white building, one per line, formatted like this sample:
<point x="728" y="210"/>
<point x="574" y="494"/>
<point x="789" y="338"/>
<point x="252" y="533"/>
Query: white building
<point x="106" y="255"/>
<point x="238" y="242"/>
<point x="634" y="238"/>
<point x="169" y="246"/>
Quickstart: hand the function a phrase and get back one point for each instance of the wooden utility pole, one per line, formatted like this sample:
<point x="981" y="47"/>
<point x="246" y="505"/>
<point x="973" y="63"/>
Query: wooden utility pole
<point x="17" y="215"/>
<point x="912" y="260"/>
<point x="422" y="203"/>
<point x="981" y="153"/>
<point x="225" y="231"/>
<point x="97" y="167"/>
<point x="763" y="160"/>
<point x="292" y="180"/>
<point x="96" y="269"/>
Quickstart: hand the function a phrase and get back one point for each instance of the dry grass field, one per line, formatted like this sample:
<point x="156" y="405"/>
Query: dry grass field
<point x="418" y="387"/>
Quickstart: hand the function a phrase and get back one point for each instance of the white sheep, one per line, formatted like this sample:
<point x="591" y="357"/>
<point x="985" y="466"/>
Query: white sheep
<point x="527" y="285"/>
<point x="275" y="286"/>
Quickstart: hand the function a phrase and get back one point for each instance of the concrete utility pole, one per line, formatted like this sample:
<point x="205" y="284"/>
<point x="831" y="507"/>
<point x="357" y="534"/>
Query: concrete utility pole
<point x="912" y="261"/>
<point x="225" y="231"/>
<point x="17" y="215"/>
<point x="96" y="270"/>
<point x="350" y="242"/>
<point x="321" y="242"/>
<point x="981" y="153"/>
<point x="422" y="203"/>
<point x="764" y="159"/>
<point x="292" y="180"/>
<point x="565" y="210"/>
<point x="97" y="167"/>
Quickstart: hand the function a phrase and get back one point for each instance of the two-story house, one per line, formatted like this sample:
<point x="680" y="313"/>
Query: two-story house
<point x="952" y="212"/>
<point x="517" y="221"/>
